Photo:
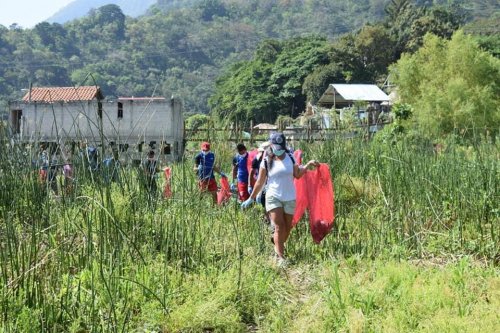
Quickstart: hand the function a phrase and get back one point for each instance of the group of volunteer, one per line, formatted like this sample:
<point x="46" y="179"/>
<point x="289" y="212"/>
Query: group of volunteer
<point x="270" y="181"/>
<point x="265" y="176"/>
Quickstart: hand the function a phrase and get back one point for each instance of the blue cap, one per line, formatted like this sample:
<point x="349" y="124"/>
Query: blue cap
<point x="278" y="140"/>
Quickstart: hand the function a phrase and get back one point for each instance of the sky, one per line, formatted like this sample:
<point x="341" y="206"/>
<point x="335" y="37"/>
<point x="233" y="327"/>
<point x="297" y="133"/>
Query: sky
<point x="28" y="13"/>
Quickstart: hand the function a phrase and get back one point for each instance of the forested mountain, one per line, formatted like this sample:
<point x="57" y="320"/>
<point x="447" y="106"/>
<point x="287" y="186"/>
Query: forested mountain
<point x="80" y="8"/>
<point x="181" y="47"/>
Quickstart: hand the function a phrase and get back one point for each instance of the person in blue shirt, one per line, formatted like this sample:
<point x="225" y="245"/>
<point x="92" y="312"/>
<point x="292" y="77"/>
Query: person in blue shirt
<point x="111" y="168"/>
<point x="204" y="166"/>
<point x="240" y="171"/>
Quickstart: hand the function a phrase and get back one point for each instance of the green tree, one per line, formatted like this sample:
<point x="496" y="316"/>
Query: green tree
<point x="298" y="58"/>
<point x="211" y="8"/>
<point x="243" y="93"/>
<point x="271" y="83"/>
<point x="375" y="47"/>
<point x="317" y="82"/>
<point x="197" y="121"/>
<point x="453" y="86"/>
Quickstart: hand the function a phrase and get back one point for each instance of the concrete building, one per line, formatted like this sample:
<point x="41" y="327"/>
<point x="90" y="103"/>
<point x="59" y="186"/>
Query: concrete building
<point x="70" y="115"/>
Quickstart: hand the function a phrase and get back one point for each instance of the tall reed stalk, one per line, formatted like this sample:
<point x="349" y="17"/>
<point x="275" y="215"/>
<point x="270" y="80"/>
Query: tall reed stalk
<point x="96" y="258"/>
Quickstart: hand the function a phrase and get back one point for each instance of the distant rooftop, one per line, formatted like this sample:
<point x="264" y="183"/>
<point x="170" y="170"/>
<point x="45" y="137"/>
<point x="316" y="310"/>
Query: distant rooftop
<point x="140" y="98"/>
<point x="62" y="94"/>
<point x="348" y="93"/>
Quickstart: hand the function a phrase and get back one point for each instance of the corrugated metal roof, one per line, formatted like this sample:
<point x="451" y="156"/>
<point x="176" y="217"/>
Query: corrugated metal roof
<point x="265" y="126"/>
<point x="62" y="94"/>
<point x="360" y="92"/>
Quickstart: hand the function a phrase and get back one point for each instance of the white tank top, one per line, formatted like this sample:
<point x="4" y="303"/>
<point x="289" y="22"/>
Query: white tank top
<point x="280" y="179"/>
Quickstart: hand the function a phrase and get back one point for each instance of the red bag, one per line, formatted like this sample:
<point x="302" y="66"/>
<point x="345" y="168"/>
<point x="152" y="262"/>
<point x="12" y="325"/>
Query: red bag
<point x="42" y="175"/>
<point x="315" y="192"/>
<point x="251" y="156"/>
<point x="297" y="155"/>
<point x="301" y="199"/>
<point x="224" y="192"/>
<point x="167" y="191"/>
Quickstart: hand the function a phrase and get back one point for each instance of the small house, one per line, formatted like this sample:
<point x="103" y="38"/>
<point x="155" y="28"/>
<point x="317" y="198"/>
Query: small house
<point x="69" y="115"/>
<point x="370" y="100"/>
<point x="346" y="95"/>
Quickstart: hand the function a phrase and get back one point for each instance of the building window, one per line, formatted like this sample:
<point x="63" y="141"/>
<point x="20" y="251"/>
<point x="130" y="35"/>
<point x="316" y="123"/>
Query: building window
<point x="123" y="147"/>
<point x="166" y="149"/>
<point x="120" y="110"/>
<point x="16" y="116"/>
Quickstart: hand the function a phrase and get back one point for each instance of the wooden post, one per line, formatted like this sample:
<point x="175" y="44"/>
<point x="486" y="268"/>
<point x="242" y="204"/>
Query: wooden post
<point x="309" y="130"/>
<point x="251" y="132"/>
<point x="237" y="136"/>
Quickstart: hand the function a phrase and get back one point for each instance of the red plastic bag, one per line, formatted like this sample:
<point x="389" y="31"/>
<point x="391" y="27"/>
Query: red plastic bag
<point x="297" y="155"/>
<point x="42" y="175"/>
<point x="315" y="192"/>
<point x="301" y="199"/>
<point x="167" y="191"/>
<point x="251" y="156"/>
<point x="224" y="192"/>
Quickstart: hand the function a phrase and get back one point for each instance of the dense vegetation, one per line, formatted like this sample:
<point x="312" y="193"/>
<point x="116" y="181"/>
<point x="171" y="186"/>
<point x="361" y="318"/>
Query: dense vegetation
<point x="416" y="239"/>
<point x="79" y="8"/>
<point x="453" y="86"/>
<point x="415" y="248"/>
<point x="181" y="47"/>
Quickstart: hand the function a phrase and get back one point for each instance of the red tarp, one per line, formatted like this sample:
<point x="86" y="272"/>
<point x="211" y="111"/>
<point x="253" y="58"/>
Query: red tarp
<point x="167" y="191"/>
<point x="224" y="192"/>
<point x="315" y="193"/>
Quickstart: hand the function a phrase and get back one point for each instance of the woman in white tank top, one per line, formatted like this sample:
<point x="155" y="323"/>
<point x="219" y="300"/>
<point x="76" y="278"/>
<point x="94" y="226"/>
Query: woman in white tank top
<point x="279" y="168"/>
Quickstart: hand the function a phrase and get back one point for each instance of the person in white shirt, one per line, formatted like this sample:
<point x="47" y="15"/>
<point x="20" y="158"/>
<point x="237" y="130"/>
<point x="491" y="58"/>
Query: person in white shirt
<point x="279" y="169"/>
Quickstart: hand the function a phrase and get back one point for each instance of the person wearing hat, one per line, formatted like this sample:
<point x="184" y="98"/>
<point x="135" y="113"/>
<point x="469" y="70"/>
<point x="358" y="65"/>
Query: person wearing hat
<point x="204" y="166"/>
<point x="279" y="169"/>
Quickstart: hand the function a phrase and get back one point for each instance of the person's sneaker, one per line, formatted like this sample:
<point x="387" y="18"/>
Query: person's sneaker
<point x="282" y="262"/>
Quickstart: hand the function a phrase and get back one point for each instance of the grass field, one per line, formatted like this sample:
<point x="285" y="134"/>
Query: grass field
<point x="415" y="248"/>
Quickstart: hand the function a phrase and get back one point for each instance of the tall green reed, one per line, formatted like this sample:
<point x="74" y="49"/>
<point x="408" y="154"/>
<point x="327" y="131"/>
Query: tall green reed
<point x="94" y="257"/>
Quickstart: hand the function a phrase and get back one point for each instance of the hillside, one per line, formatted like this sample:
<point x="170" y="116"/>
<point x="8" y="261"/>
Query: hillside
<point x="181" y="47"/>
<point x="80" y="8"/>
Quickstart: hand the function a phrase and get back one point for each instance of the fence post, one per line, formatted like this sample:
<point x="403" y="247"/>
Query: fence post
<point x="251" y="132"/>
<point x="237" y="132"/>
<point x="309" y="130"/>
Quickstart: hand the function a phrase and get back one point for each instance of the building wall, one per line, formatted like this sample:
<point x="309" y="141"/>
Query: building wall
<point x="143" y="121"/>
